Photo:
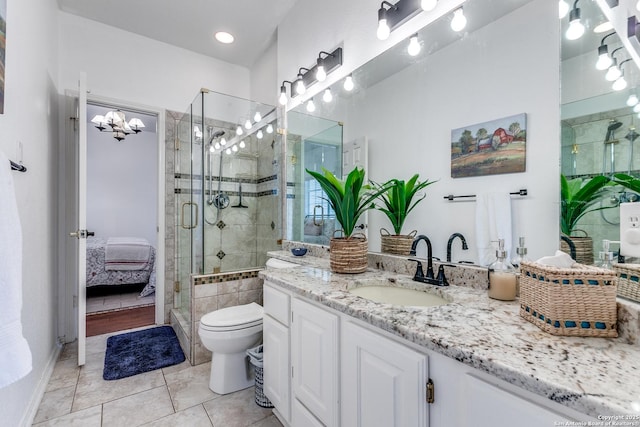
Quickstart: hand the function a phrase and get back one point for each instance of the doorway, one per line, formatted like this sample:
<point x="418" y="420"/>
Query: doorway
<point x="122" y="200"/>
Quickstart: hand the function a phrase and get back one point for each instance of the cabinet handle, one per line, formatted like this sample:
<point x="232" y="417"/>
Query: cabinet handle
<point x="430" y="391"/>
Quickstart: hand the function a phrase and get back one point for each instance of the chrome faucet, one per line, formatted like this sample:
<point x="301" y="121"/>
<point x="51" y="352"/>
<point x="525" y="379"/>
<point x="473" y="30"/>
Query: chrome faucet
<point x="450" y="243"/>
<point x="414" y="245"/>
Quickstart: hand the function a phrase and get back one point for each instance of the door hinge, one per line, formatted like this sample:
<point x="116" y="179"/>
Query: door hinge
<point x="280" y="131"/>
<point x="176" y="286"/>
<point x="431" y="392"/>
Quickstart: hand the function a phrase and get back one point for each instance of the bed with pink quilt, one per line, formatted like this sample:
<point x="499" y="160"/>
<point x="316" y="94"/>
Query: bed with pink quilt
<point x="121" y="261"/>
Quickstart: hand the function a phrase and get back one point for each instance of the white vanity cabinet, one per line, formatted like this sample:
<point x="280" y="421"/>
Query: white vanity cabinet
<point x="383" y="383"/>
<point x="314" y="359"/>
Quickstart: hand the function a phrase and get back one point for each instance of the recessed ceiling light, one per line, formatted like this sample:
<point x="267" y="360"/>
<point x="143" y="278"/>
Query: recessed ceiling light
<point x="603" y="27"/>
<point x="224" y="37"/>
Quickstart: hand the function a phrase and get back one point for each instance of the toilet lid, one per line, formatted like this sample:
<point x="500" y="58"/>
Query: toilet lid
<point x="239" y="315"/>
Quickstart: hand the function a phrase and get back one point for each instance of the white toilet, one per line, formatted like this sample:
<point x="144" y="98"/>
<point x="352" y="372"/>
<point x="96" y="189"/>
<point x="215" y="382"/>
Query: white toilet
<point x="228" y="333"/>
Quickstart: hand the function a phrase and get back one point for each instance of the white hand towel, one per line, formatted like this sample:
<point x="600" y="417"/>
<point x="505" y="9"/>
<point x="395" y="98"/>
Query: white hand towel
<point x="15" y="355"/>
<point x="560" y="259"/>
<point x="493" y="222"/>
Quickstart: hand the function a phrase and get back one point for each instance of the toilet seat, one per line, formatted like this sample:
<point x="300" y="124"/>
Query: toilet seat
<point x="233" y="318"/>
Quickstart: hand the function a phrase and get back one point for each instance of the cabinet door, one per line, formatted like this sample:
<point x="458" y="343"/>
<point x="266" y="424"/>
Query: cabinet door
<point x="277" y="384"/>
<point x="487" y="404"/>
<point x="383" y="382"/>
<point x="302" y="417"/>
<point x="314" y="350"/>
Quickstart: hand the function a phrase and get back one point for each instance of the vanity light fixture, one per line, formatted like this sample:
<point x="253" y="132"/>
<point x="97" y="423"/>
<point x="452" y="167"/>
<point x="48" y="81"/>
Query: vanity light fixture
<point x="248" y="124"/>
<point x="259" y="134"/>
<point x="576" y="29"/>
<point x="383" y="21"/>
<point x="257" y="117"/>
<point x="604" y="60"/>
<point x="321" y="68"/>
<point x="414" y="45"/>
<point x="239" y="130"/>
<point x="282" y="99"/>
<point x="300" y="87"/>
<point x="311" y="107"/>
<point x="632" y="100"/>
<point x="428" y="5"/>
<point x="391" y="16"/>
<point x="348" y="83"/>
<point x="459" y="21"/>
<point x="620" y="83"/>
<point x="563" y="7"/>
<point x="212" y="148"/>
<point x="327" y="96"/>
<point x="269" y="128"/>
<point x="613" y="73"/>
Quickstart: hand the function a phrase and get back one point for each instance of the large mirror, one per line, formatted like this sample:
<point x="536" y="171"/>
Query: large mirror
<point x="405" y="109"/>
<point x="599" y="124"/>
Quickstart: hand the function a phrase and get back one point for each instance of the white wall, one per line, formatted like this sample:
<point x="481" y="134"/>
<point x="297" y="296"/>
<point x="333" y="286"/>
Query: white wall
<point x="264" y="77"/>
<point x="31" y="116"/>
<point x="488" y="74"/>
<point x="122" y="189"/>
<point x="139" y="69"/>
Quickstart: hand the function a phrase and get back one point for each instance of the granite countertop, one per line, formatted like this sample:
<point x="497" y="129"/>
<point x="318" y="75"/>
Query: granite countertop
<point x="594" y="376"/>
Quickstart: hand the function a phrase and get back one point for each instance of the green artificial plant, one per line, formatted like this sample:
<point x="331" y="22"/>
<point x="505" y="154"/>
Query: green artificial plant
<point x="627" y="181"/>
<point x="348" y="198"/>
<point x="398" y="199"/>
<point x="578" y="197"/>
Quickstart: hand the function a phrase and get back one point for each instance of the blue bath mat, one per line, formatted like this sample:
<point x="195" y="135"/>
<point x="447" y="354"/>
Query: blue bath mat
<point x="142" y="351"/>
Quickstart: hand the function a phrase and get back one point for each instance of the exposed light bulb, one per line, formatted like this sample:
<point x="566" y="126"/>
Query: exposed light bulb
<point x="563" y="8"/>
<point x="311" y="107"/>
<point x="239" y="130"/>
<point x="383" y="27"/>
<point x="247" y="124"/>
<point x="327" y="96"/>
<point x="223" y="142"/>
<point x="348" y="83"/>
<point x="242" y="144"/>
<point x="234" y="148"/>
<point x="638" y="5"/>
<point x="321" y="73"/>
<point x="604" y="60"/>
<point x="619" y="84"/>
<point x="282" y="99"/>
<point x="269" y="128"/>
<point x="636" y="108"/>
<point x="228" y="151"/>
<point x="613" y="73"/>
<point x="632" y="101"/>
<point x="300" y="88"/>
<point x="414" y="46"/>
<point x="211" y="148"/>
<point x="217" y="146"/>
<point x="259" y="134"/>
<point x="459" y="21"/>
<point x="576" y="29"/>
<point x="257" y="117"/>
<point x="428" y="5"/>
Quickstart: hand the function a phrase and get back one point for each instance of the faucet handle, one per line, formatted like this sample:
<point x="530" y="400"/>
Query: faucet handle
<point x="441" y="278"/>
<point x="419" y="272"/>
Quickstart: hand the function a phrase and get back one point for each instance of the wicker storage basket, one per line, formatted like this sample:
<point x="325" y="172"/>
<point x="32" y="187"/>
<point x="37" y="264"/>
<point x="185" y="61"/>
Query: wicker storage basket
<point x="348" y="255"/>
<point x="396" y="244"/>
<point x="628" y="280"/>
<point x="584" y="248"/>
<point x="579" y="301"/>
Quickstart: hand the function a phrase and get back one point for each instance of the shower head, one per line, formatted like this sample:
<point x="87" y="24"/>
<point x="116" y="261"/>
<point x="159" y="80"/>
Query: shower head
<point x="614" y="124"/>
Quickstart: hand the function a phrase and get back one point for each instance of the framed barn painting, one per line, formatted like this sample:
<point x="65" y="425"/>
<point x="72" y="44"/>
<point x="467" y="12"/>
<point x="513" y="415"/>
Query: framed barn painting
<point x="494" y="147"/>
<point x="3" y="38"/>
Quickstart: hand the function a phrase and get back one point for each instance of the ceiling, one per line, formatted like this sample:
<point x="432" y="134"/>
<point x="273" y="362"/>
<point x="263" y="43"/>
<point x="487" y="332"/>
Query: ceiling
<point x="191" y="24"/>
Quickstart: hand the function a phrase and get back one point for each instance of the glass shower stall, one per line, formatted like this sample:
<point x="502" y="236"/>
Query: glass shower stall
<point x="227" y="180"/>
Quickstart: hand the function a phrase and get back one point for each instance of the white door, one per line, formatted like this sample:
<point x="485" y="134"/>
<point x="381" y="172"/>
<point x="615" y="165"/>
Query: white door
<point x="81" y="231"/>
<point x="383" y="382"/>
<point x="314" y="352"/>
<point x="356" y="153"/>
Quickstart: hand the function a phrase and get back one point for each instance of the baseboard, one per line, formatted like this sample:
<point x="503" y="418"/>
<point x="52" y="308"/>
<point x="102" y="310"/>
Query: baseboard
<point x="38" y="393"/>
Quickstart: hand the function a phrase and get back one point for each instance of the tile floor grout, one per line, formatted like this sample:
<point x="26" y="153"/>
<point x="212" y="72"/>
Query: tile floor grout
<point x="182" y="396"/>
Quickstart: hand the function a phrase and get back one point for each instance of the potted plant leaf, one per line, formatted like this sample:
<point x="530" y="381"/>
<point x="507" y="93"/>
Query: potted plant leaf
<point x="578" y="197"/>
<point x="349" y="199"/>
<point x="398" y="198"/>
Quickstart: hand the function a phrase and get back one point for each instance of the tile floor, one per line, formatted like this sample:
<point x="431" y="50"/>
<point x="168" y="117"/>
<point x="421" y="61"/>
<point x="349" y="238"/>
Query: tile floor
<point x="177" y="395"/>
<point x="96" y="304"/>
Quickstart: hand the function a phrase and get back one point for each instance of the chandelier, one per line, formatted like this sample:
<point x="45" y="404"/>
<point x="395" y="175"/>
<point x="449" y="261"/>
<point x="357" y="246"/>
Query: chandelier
<point x="117" y="124"/>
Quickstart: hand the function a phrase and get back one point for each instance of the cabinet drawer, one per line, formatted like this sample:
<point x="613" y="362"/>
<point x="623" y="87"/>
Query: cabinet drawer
<point x="276" y="304"/>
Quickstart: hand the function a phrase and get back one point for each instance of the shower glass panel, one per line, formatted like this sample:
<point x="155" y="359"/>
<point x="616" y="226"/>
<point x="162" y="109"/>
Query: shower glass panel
<point x="227" y="181"/>
<point x="312" y="143"/>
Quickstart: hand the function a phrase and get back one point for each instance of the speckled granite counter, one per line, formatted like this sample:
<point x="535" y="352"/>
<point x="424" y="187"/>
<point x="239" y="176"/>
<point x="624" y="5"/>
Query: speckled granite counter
<point x="594" y="376"/>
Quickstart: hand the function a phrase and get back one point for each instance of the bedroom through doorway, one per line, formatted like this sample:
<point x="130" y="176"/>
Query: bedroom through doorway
<point x="122" y="203"/>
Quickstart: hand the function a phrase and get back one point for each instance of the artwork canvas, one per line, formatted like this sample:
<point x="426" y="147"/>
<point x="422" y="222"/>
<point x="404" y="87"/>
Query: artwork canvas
<point x="3" y="38"/>
<point x="494" y="147"/>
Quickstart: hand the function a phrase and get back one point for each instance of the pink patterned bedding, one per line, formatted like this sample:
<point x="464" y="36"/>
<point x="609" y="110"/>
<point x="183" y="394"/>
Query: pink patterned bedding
<point x="98" y="275"/>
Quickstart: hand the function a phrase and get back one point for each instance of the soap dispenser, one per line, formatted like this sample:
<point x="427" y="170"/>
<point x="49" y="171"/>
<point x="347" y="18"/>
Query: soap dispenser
<point x="521" y="253"/>
<point x="502" y="276"/>
<point x="605" y="256"/>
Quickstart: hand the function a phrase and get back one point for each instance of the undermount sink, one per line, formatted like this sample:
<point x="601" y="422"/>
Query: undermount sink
<point x="398" y="296"/>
